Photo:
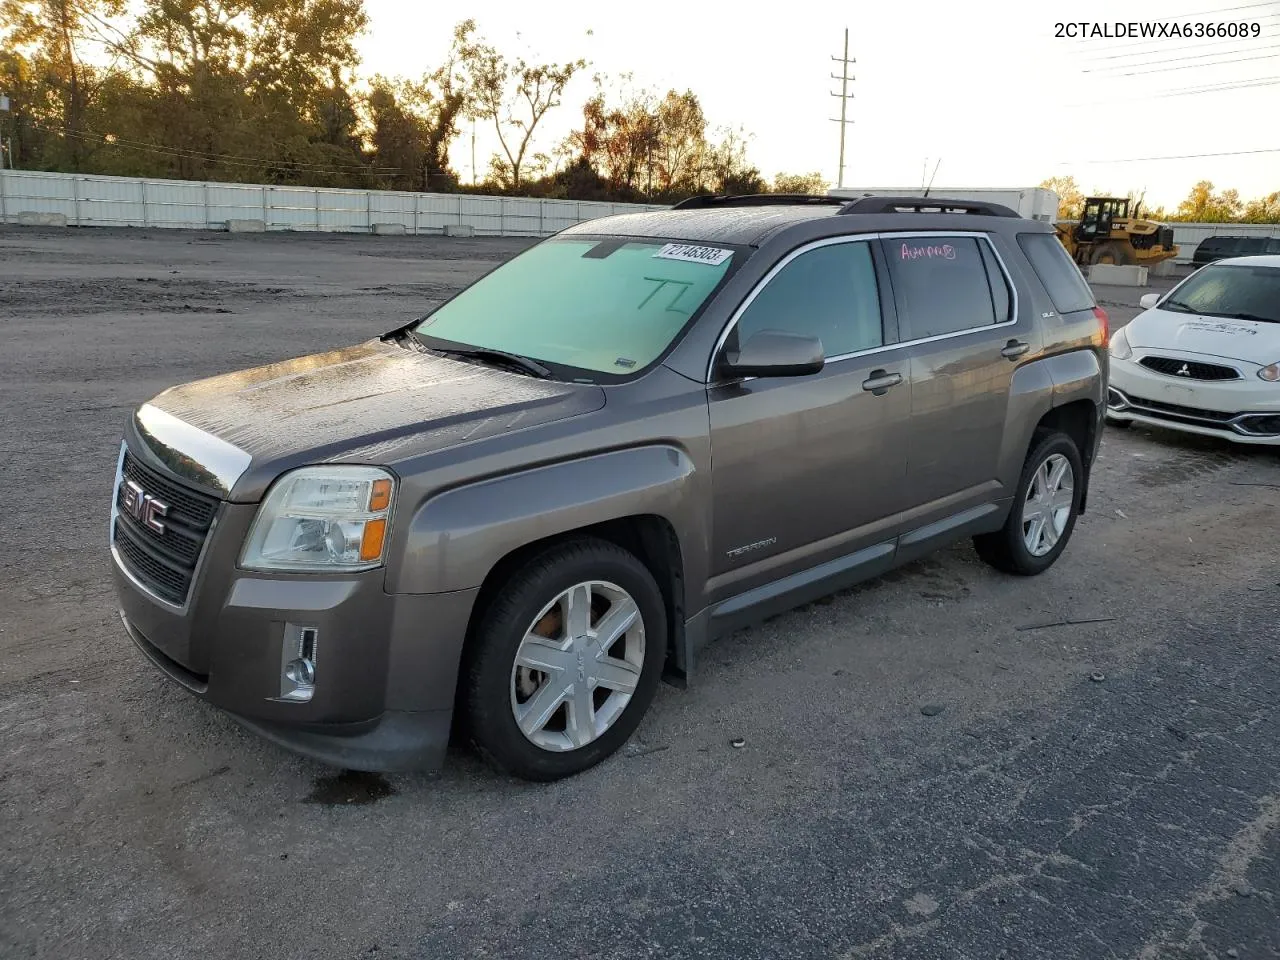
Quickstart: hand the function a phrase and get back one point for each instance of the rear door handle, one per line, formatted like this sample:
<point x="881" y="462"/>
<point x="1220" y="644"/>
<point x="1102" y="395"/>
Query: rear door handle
<point x="1014" y="349"/>
<point x="880" y="381"/>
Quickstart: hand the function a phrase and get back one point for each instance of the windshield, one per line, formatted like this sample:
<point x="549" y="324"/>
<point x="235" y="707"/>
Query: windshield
<point x="1230" y="290"/>
<point x="609" y="306"/>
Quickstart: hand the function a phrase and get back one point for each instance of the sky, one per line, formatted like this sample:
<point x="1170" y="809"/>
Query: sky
<point x="984" y="90"/>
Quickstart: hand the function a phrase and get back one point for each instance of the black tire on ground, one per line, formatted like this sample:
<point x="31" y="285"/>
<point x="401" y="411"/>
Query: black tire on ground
<point x="1006" y="550"/>
<point x="1112" y="252"/>
<point x="491" y="723"/>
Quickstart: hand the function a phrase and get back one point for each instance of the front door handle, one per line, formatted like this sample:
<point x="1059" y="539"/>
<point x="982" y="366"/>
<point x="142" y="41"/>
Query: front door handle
<point x="1014" y="349"/>
<point x="880" y="381"/>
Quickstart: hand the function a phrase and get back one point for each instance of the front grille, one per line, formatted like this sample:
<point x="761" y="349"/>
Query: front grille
<point x="1194" y="370"/>
<point x="164" y="562"/>
<point x="1173" y="411"/>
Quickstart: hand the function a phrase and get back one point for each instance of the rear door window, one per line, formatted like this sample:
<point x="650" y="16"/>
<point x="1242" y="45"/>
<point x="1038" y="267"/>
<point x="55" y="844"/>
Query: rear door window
<point x="941" y="283"/>
<point x="1057" y="271"/>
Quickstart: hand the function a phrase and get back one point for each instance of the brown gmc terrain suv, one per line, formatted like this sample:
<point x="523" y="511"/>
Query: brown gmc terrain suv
<point x="520" y="512"/>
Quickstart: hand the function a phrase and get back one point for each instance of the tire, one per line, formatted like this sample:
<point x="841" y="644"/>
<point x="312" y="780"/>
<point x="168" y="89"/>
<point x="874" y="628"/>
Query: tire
<point x="1007" y="549"/>
<point x="1113" y="253"/>
<point x="574" y="684"/>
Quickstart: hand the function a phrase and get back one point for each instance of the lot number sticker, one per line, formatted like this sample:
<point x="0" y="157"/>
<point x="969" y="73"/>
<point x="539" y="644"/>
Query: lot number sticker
<point x="712" y="256"/>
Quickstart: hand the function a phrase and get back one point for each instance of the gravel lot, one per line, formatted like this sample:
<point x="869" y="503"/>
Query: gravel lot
<point x="1089" y="790"/>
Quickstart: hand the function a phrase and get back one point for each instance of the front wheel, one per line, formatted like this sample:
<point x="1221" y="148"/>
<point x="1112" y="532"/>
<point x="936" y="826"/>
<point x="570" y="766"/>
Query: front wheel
<point x="565" y="661"/>
<point x="1044" y="511"/>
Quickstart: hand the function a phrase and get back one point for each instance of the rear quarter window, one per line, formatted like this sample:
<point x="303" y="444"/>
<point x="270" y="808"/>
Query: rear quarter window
<point x="1057" y="271"/>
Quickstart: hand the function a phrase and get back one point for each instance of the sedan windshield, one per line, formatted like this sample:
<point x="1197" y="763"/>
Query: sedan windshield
<point x="607" y="306"/>
<point x="1238" y="291"/>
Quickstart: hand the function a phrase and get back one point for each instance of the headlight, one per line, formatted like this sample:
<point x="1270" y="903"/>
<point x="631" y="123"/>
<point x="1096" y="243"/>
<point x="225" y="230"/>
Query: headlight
<point x="322" y="518"/>
<point x="1271" y="373"/>
<point x="1120" y="348"/>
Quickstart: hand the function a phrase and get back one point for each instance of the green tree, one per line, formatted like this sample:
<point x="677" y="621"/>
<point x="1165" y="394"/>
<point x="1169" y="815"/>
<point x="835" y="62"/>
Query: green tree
<point x="814" y="183"/>
<point x="728" y="171"/>
<point x="680" y="143"/>
<point x="1263" y="210"/>
<point x="515" y="96"/>
<point x="1204" y="206"/>
<point x="413" y="124"/>
<point x="1070" y="196"/>
<point x="249" y="89"/>
<point x="47" y="46"/>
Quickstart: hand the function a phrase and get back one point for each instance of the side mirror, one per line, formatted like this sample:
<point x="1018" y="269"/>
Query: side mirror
<point x="1149" y="300"/>
<point x="771" y="353"/>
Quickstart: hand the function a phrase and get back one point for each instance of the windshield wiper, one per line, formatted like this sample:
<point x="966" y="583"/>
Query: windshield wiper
<point x="1250" y="316"/>
<point x="1177" y="306"/>
<point x="496" y="357"/>
<point x="502" y="358"/>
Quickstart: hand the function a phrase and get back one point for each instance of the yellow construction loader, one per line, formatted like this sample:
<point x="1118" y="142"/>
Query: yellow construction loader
<point x="1105" y="233"/>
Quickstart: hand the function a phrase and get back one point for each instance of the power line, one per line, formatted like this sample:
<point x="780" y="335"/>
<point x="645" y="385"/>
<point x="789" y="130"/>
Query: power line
<point x="1189" y="156"/>
<point x="1160" y="48"/>
<point x="1194" y="66"/>
<point x="1222" y="87"/>
<point x="227" y="159"/>
<point x="1198" y="56"/>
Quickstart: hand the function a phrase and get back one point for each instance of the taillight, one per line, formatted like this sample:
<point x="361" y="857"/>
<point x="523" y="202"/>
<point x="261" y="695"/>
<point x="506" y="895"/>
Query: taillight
<point x="1105" y="322"/>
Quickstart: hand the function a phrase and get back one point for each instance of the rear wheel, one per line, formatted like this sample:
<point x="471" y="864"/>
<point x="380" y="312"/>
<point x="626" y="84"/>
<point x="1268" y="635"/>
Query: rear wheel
<point x="565" y="661"/>
<point x="1044" y="510"/>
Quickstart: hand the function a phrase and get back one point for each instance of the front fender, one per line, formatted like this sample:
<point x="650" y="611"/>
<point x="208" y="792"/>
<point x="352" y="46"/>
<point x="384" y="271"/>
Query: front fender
<point x="456" y="537"/>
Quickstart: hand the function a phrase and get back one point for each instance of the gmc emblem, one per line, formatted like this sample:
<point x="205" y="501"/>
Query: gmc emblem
<point x="143" y="507"/>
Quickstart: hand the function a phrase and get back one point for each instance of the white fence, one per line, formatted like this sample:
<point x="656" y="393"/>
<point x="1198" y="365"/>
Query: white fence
<point x="87" y="200"/>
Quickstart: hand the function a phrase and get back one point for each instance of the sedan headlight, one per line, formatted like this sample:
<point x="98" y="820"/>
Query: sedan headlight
<point x="1120" y="348"/>
<point x="1271" y="373"/>
<point x="322" y="518"/>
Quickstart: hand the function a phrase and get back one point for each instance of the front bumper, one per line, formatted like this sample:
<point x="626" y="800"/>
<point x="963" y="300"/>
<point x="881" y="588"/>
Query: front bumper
<point x="385" y="665"/>
<point x="1245" y="411"/>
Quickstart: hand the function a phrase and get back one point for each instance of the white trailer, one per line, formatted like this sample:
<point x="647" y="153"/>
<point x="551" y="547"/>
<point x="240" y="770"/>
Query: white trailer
<point x="1034" y="203"/>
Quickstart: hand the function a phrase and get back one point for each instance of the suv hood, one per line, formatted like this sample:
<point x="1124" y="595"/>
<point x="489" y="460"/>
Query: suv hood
<point x="371" y="403"/>
<point x="1216" y="336"/>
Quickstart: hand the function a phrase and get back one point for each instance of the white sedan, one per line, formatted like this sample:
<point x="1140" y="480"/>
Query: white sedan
<point x="1205" y="358"/>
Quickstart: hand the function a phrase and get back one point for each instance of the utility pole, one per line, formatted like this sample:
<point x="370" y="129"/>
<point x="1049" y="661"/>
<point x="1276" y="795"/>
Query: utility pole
<point x="4" y="109"/>
<point x="845" y="96"/>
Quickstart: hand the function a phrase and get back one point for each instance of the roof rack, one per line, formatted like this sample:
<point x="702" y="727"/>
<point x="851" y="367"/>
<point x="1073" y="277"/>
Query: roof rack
<point x="758" y="200"/>
<point x="871" y="204"/>
<point x="867" y="204"/>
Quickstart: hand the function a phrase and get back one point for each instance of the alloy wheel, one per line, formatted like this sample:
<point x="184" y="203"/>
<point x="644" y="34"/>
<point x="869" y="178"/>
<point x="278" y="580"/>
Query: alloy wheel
<point x="1047" y="508"/>
<point x="577" y="666"/>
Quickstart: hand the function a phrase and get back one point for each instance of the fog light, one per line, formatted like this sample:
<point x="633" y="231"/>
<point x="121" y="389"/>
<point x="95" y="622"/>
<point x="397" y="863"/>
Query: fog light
<point x="300" y="672"/>
<point x="298" y="663"/>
